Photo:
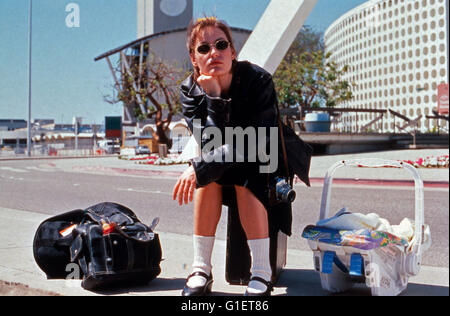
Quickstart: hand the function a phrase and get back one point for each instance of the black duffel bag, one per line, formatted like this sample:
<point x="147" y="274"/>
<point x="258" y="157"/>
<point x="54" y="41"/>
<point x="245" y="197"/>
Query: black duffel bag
<point x="106" y="242"/>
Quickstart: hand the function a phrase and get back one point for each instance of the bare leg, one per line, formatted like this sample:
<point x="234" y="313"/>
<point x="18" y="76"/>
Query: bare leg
<point x="254" y="220"/>
<point x="252" y="213"/>
<point x="207" y="209"/>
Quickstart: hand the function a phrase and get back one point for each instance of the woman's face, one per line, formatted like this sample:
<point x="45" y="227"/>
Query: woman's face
<point x="215" y="62"/>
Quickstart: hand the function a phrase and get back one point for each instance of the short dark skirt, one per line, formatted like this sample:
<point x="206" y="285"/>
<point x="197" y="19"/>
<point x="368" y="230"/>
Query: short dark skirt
<point x="247" y="175"/>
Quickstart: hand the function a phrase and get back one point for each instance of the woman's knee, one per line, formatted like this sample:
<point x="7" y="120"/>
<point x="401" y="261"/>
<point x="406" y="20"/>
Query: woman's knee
<point x="210" y="191"/>
<point x="244" y="193"/>
<point x="207" y="195"/>
<point x="247" y="200"/>
<point x="242" y="190"/>
<point x="213" y="186"/>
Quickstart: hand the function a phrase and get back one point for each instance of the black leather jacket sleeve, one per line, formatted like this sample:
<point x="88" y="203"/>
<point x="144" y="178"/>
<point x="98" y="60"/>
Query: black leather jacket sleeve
<point x="259" y="98"/>
<point x="202" y="111"/>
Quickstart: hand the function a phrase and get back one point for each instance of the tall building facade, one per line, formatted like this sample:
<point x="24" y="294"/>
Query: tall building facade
<point x="397" y="52"/>
<point x="156" y="16"/>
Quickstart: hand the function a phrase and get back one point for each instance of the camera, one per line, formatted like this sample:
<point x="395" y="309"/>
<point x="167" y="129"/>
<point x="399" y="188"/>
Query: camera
<point x="281" y="191"/>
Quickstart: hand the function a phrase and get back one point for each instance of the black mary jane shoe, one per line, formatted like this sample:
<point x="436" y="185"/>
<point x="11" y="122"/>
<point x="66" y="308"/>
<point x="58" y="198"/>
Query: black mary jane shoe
<point x="266" y="283"/>
<point x="200" y="290"/>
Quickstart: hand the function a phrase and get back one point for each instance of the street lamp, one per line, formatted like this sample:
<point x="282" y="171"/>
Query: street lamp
<point x="29" y="78"/>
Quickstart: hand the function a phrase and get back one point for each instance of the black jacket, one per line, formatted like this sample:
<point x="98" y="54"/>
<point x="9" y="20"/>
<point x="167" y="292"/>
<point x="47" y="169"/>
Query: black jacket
<point x="251" y="102"/>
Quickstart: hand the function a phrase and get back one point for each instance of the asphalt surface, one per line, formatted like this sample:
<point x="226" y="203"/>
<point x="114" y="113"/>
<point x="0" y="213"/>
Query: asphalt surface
<point x="48" y="189"/>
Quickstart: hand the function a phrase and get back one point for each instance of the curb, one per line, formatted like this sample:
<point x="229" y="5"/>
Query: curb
<point x="55" y="157"/>
<point x="313" y="180"/>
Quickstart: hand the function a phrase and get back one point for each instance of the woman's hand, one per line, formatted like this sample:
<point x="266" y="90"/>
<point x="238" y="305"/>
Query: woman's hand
<point x="210" y="85"/>
<point x="185" y="186"/>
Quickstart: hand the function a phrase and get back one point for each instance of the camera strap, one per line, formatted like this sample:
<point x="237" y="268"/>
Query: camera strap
<point x="283" y="145"/>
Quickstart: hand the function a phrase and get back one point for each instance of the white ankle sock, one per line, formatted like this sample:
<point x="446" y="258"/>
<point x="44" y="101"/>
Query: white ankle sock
<point x="259" y="250"/>
<point x="203" y="246"/>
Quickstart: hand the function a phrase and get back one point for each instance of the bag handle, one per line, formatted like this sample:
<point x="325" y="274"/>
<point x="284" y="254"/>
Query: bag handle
<point x="124" y="234"/>
<point x="101" y="219"/>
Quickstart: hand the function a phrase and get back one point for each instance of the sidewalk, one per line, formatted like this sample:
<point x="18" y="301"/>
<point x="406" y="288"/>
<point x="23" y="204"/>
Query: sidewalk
<point x="17" y="229"/>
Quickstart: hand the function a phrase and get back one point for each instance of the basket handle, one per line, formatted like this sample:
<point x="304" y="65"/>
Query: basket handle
<point x="378" y="163"/>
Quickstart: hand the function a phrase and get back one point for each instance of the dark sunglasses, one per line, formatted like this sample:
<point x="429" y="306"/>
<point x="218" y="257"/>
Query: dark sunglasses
<point x="220" y="45"/>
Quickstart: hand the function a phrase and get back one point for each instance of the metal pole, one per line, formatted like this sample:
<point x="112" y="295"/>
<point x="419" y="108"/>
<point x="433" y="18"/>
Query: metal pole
<point x="29" y="78"/>
<point x="76" y="138"/>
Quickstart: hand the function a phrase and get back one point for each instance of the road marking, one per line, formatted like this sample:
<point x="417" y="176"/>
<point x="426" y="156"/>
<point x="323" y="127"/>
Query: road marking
<point x="144" y="191"/>
<point x="12" y="178"/>
<point x="40" y="169"/>
<point x="13" y="169"/>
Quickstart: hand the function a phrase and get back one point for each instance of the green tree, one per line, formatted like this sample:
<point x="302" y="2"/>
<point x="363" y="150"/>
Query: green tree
<point x="307" y="40"/>
<point x="311" y="80"/>
<point x="307" y="77"/>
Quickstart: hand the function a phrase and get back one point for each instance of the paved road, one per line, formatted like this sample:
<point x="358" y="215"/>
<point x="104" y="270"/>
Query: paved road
<point x="42" y="187"/>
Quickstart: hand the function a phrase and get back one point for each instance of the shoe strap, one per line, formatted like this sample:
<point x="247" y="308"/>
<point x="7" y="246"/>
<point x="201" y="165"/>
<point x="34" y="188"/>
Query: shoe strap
<point x="266" y="283"/>
<point x="198" y="273"/>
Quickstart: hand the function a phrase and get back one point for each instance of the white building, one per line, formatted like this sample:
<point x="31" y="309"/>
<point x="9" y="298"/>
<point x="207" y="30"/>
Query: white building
<point x="398" y="52"/>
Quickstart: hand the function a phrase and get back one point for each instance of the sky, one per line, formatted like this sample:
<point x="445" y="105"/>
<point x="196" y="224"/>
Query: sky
<point x="66" y="81"/>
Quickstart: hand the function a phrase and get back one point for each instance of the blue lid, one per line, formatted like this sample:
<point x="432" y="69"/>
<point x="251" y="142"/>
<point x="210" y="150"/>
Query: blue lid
<point x="317" y="116"/>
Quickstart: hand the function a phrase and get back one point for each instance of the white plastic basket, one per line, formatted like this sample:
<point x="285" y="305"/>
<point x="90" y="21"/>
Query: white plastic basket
<point x="386" y="270"/>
